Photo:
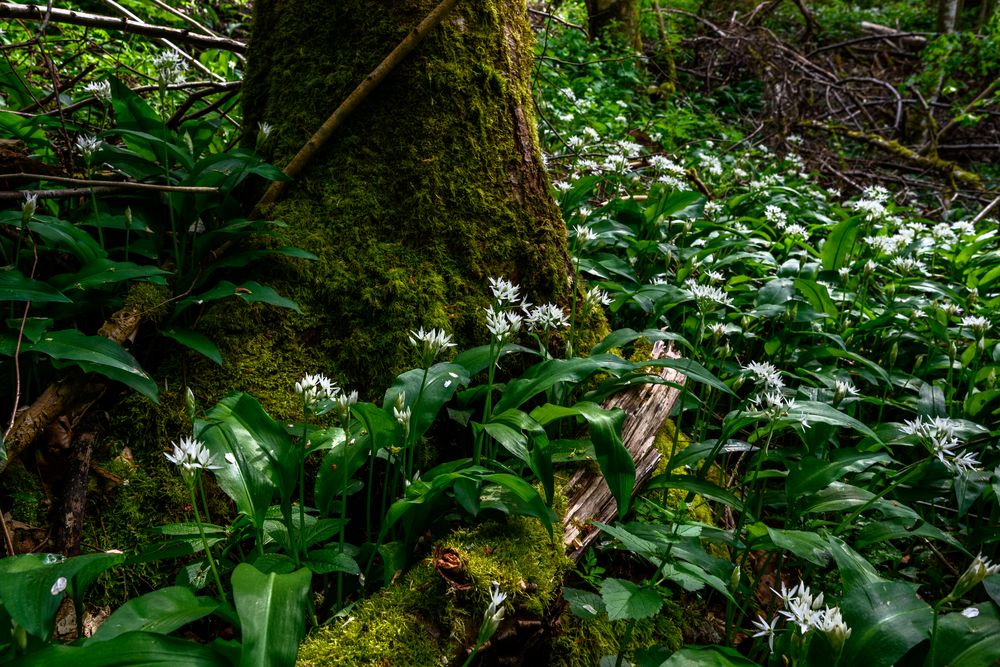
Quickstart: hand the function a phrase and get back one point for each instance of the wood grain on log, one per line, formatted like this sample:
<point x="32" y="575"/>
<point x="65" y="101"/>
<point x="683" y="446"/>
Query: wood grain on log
<point x="646" y="408"/>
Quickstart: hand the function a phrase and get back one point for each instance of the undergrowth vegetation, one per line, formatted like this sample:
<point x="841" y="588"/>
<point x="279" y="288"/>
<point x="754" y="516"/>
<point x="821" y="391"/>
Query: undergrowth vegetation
<point x="838" y="336"/>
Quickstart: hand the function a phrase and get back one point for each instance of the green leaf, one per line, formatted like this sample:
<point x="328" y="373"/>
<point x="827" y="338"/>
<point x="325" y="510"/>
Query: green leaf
<point x="441" y="382"/>
<point x="804" y="544"/>
<point x="625" y="600"/>
<point x="811" y="474"/>
<point x="272" y="611"/>
<point x="529" y="501"/>
<point x="324" y="561"/>
<point x="161" y="611"/>
<point x="887" y="619"/>
<point x="840" y="244"/>
<point x="194" y="340"/>
<point x="702" y="487"/>
<point x="128" y="650"/>
<point x="969" y="642"/>
<point x="15" y="286"/>
<point x="250" y="291"/>
<point x="103" y="272"/>
<point x="98" y="355"/>
<point x="707" y="656"/>
<point x="583" y="604"/>
<point x="817" y="295"/>
<point x="824" y="413"/>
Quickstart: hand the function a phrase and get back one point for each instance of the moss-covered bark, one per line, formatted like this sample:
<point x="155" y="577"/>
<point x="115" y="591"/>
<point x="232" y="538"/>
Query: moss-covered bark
<point x="618" y="19"/>
<point x="434" y="184"/>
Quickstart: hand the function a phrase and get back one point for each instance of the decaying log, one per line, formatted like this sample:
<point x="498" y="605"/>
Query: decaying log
<point x="915" y="40"/>
<point x="66" y="395"/>
<point x="646" y="408"/>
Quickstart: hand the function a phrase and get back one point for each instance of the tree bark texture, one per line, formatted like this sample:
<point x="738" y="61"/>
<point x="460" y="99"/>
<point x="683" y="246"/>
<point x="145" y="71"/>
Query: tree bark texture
<point x="617" y="18"/>
<point x="434" y="184"/>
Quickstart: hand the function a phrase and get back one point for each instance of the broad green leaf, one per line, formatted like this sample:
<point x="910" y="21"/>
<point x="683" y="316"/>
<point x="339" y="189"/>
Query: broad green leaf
<point x="96" y="354"/>
<point x="161" y="611"/>
<point x="817" y="295"/>
<point x="855" y="571"/>
<point x="531" y="503"/>
<point x="440" y="384"/>
<point x="840" y="244"/>
<point x="272" y="611"/>
<point x="250" y="291"/>
<point x="194" y="340"/>
<point x="583" y="604"/>
<point x="824" y="413"/>
<point x="15" y="286"/>
<point x="128" y="650"/>
<point x="615" y="462"/>
<point x="804" y="544"/>
<point x="887" y="619"/>
<point x="811" y="474"/>
<point x="969" y="642"/>
<point x="625" y="600"/>
<point x="324" y="561"/>
<point x="707" y="656"/>
<point x="104" y="272"/>
<point x="702" y="487"/>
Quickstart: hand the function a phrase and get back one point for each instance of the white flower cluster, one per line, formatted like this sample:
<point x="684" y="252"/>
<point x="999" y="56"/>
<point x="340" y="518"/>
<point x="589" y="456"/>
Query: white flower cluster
<point x="190" y="456"/>
<point x="430" y="343"/>
<point x="170" y="67"/>
<point x="711" y="164"/>
<point x="977" y="323"/>
<point x="707" y="297"/>
<point x="99" y="89"/>
<point x="546" y="317"/>
<point x="806" y="613"/>
<point x="315" y="389"/>
<point x="938" y="436"/>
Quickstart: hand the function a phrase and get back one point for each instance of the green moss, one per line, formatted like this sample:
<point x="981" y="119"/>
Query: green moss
<point x="422" y="620"/>
<point x="670" y="442"/>
<point x="431" y="187"/>
<point x="585" y="642"/>
<point x="24" y="495"/>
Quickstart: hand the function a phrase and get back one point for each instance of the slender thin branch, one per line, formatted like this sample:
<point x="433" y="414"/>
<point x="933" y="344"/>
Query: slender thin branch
<point x="12" y="10"/>
<point x="119" y="185"/>
<point x="357" y="96"/>
<point x="989" y="207"/>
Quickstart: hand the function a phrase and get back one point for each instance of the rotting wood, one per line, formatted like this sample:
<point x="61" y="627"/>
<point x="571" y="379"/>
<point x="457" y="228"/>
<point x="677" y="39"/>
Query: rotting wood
<point x="65" y="395"/>
<point x="646" y="408"/>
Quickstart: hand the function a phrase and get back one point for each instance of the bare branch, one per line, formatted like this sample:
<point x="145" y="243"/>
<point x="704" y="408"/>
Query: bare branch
<point x="13" y="10"/>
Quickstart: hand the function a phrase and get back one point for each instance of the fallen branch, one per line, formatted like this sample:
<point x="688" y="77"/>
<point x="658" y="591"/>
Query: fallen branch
<point x="357" y="96"/>
<point x="948" y="169"/>
<point x="64" y="396"/>
<point x="116" y="185"/>
<point x="646" y="408"/>
<point x="13" y="10"/>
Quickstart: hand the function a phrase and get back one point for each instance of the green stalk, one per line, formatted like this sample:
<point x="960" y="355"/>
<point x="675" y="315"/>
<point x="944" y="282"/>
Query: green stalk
<point x="204" y="540"/>
<point x="903" y="476"/>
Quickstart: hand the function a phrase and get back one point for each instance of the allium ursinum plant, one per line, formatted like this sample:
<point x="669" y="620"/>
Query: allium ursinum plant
<point x="491" y="621"/>
<point x="192" y="457"/>
<point x="804" y="615"/>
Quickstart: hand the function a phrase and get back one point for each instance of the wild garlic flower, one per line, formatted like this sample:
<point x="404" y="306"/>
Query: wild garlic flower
<point x="494" y="613"/>
<point x="872" y="209"/>
<point x="796" y="231"/>
<point x="99" y="89"/>
<point x="562" y="186"/>
<point x="876" y="193"/>
<point x="344" y="402"/>
<point x="908" y="265"/>
<point x="844" y="273"/>
<point x="977" y="323"/>
<point x="316" y="388"/>
<point x="765" y="375"/>
<point x="29" y="207"/>
<point x="712" y="209"/>
<point x="190" y="456"/>
<point x="775" y="216"/>
<point x="87" y="145"/>
<point x="504" y="291"/>
<point x="595" y="297"/>
<point x="430" y="343"/>
<point x="766" y="629"/>
<point x="939" y="438"/>
<point x="978" y="569"/>
<point x="665" y="165"/>
<point x="546" y="317"/>
<point x="843" y="389"/>
<point x="707" y="297"/>
<point x="170" y="67"/>
<point x="711" y="164"/>
<point x="502" y="324"/>
<point x="584" y="235"/>
<point x="616" y="163"/>
<point x="592" y="134"/>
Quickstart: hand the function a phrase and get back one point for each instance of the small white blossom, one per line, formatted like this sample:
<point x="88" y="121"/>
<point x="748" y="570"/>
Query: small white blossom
<point x="431" y="343"/>
<point x="190" y="456"/>
<point x="504" y="291"/>
<point x="99" y="89"/>
<point x="547" y="317"/>
<point x="765" y="629"/>
<point x="765" y="373"/>
<point x="316" y="388"/>
<point x="87" y="145"/>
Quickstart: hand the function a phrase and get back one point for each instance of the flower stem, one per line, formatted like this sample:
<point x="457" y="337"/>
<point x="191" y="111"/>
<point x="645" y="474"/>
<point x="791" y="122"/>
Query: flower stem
<point x="204" y="540"/>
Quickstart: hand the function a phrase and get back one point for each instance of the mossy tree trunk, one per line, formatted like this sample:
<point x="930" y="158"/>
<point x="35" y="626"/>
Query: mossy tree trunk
<point x="435" y="183"/>
<point x="618" y="19"/>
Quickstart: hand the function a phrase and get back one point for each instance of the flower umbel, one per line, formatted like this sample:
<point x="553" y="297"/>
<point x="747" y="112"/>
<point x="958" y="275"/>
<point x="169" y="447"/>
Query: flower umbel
<point x="431" y="343"/>
<point x="316" y="388"/>
<point x="190" y="456"/>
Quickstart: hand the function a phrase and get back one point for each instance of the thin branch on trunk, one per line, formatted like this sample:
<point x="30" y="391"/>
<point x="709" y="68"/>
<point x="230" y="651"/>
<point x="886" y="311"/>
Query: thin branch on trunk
<point x="357" y="96"/>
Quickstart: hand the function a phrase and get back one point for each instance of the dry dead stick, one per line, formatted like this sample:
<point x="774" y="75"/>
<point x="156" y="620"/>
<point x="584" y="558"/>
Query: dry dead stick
<point x="357" y="96"/>
<point x="13" y="10"/>
<point x="60" y="397"/>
